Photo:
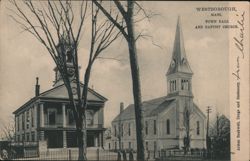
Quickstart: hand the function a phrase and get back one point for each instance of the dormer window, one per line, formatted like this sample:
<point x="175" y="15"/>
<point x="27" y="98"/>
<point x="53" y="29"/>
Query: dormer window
<point x="184" y="84"/>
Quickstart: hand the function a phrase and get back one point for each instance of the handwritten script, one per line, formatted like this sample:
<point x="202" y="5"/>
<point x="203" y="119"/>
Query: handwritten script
<point x="239" y="44"/>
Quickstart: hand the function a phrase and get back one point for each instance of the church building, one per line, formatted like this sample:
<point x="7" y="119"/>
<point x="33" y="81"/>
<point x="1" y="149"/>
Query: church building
<point x="173" y="121"/>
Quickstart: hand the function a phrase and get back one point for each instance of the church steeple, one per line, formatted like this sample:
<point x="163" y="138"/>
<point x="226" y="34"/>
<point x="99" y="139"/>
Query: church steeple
<point x="179" y="61"/>
<point x="179" y="74"/>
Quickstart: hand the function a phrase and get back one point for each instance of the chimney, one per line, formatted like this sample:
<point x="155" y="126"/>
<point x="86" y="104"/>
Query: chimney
<point x="121" y="107"/>
<point x="37" y="87"/>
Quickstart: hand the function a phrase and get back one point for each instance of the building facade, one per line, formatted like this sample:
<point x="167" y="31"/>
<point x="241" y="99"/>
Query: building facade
<point x="173" y="121"/>
<point x="47" y="119"/>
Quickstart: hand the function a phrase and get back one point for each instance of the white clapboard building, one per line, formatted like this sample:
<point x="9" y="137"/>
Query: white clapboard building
<point x="166" y="119"/>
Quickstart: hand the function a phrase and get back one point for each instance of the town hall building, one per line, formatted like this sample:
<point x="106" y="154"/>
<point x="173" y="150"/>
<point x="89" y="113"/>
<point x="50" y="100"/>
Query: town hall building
<point x="47" y="119"/>
<point x="169" y="120"/>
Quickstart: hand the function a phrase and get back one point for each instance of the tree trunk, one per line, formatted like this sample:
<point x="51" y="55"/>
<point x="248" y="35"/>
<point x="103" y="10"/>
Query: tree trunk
<point x="136" y="82"/>
<point x="81" y="126"/>
<point x="80" y="131"/>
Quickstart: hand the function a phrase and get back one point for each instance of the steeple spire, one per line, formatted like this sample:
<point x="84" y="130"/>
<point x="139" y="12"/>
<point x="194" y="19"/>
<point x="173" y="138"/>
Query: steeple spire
<point x="179" y="61"/>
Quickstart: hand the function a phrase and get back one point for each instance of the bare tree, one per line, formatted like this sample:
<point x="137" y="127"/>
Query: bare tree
<point x="186" y="123"/>
<point x="188" y="115"/>
<point x="58" y="26"/>
<point x="126" y="27"/>
<point x="8" y="130"/>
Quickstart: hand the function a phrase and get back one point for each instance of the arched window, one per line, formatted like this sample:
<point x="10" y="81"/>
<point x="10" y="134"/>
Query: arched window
<point x="184" y="84"/>
<point x="198" y="128"/>
<point x="129" y="129"/>
<point x="155" y="128"/>
<point x="168" y="126"/>
<point x="114" y="130"/>
<point x="173" y="85"/>
<point x="146" y="127"/>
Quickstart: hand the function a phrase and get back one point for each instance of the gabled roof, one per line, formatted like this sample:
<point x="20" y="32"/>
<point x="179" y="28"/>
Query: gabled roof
<point x="150" y="108"/>
<point x="199" y="110"/>
<point x="179" y="62"/>
<point x="60" y="92"/>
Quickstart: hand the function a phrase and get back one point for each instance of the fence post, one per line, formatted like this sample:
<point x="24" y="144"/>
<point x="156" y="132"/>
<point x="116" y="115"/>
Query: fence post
<point x="97" y="153"/>
<point x="69" y="154"/>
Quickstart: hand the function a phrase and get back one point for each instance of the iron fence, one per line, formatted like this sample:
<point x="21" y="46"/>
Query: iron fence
<point x="107" y="155"/>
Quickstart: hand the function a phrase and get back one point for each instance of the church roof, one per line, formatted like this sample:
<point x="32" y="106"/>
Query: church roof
<point x="179" y="61"/>
<point x="150" y="108"/>
<point x="60" y="92"/>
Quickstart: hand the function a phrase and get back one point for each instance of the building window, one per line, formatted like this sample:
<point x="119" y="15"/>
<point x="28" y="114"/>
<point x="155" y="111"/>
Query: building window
<point x="129" y="145"/>
<point x="32" y="136"/>
<point x="155" y="128"/>
<point x="146" y="127"/>
<point x="115" y="145"/>
<point x="23" y="139"/>
<point x="32" y="117"/>
<point x="109" y="146"/>
<point x="114" y="130"/>
<point x="146" y="145"/>
<point x="27" y="119"/>
<point x="71" y="119"/>
<point x="89" y="117"/>
<point x="129" y="129"/>
<point x="17" y="123"/>
<point x="168" y="126"/>
<point x="155" y="146"/>
<point x="28" y="136"/>
<point x="184" y="84"/>
<point x="198" y="128"/>
<point x="173" y="85"/>
<point x="23" y="121"/>
<point x="18" y="138"/>
<point x="121" y="130"/>
<point x="51" y="116"/>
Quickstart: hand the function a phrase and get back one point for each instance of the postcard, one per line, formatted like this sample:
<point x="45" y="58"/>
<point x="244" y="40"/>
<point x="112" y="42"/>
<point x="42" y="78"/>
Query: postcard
<point x="124" y="80"/>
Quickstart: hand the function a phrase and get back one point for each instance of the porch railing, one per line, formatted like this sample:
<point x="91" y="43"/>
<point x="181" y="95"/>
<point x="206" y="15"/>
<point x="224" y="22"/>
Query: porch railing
<point x="57" y="125"/>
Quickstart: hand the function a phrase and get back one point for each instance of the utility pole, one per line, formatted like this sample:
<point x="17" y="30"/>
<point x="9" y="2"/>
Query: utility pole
<point x="120" y="126"/>
<point x="217" y="125"/>
<point x="207" y="138"/>
<point x="208" y="112"/>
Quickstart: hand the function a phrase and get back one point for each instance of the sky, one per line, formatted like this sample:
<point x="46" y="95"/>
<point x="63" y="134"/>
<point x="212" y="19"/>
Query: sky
<point x="23" y="58"/>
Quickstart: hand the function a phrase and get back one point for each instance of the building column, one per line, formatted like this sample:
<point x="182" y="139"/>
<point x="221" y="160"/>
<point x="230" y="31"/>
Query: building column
<point x="41" y="115"/>
<point x="96" y="141"/>
<point x="64" y="139"/>
<point x="101" y="139"/>
<point x="64" y="114"/>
